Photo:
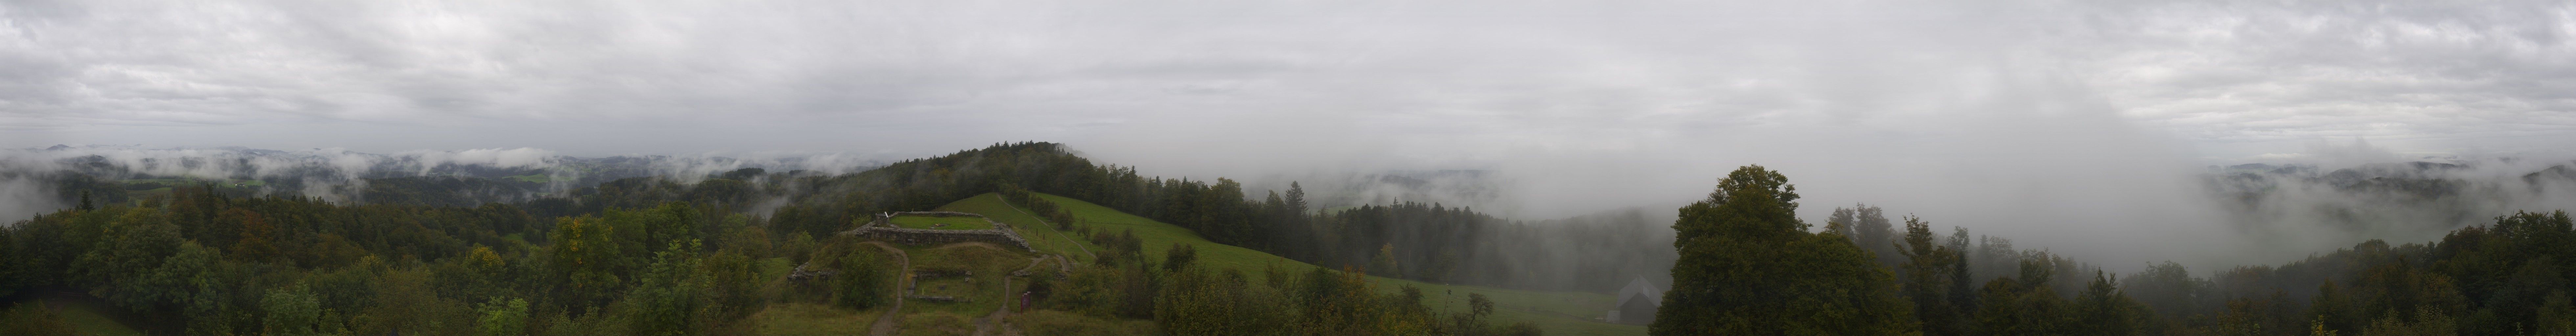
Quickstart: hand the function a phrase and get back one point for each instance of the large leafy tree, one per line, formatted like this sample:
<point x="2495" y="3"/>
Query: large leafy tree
<point x="586" y="258"/>
<point x="1748" y="266"/>
<point x="121" y="264"/>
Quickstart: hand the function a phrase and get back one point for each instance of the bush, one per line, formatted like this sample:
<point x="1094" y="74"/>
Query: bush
<point x="862" y="282"/>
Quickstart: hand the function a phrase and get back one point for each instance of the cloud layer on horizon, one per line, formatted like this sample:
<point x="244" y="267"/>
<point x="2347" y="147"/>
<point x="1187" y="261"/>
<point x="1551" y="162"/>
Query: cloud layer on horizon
<point x="2437" y="77"/>
<point x="2041" y="118"/>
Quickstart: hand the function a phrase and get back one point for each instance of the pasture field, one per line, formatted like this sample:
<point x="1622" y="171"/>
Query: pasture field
<point x="940" y="223"/>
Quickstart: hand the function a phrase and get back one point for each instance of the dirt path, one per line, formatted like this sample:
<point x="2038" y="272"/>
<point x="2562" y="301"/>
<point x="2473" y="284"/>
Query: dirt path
<point x="1042" y="221"/>
<point x="885" y="325"/>
<point x="992" y="324"/>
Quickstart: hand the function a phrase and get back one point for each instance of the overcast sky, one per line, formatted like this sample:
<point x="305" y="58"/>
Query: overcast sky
<point x="1857" y="100"/>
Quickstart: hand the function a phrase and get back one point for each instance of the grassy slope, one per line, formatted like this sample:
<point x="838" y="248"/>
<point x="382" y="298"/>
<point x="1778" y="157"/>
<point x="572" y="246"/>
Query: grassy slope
<point x="811" y="319"/>
<point x="1040" y="235"/>
<point x="1559" y="313"/>
<point x="87" y="316"/>
<point x="928" y="222"/>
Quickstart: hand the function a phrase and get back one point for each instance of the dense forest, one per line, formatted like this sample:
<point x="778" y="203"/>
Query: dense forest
<point x="1749" y="266"/>
<point x="659" y="255"/>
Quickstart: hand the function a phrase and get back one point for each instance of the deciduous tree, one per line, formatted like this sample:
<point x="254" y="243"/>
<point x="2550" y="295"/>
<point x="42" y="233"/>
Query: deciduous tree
<point x="1749" y="267"/>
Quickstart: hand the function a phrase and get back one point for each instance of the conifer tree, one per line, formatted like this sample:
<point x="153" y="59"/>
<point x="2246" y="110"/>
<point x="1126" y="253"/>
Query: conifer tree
<point x="1927" y="275"/>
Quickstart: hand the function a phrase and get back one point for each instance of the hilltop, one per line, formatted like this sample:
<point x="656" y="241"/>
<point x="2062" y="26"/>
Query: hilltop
<point x="1556" y="312"/>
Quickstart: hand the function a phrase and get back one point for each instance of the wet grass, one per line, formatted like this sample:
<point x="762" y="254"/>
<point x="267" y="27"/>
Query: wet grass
<point x="811" y="319"/>
<point x="1041" y="235"/>
<point x="941" y="223"/>
<point x="936" y="323"/>
<point x="88" y="316"/>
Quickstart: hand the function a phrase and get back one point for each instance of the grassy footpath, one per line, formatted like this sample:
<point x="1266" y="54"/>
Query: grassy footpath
<point x="1559" y="313"/>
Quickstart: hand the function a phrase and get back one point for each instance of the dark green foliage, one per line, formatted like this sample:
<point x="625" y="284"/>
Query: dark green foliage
<point x="2024" y="305"/>
<point x="1927" y="274"/>
<point x="668" y="300"/>
<point x="733" y="287"/>
<point x="865" y="279"/>
<point x="587" y="262"/>
<point x="1178" y="257"/>
<point x="226" y="265"/>
<point x="1196" y="301"/>
<point x="120" y="266"/>
<point x="291" y="311"/>
<point x="1384" y="241"/>
<point x="1749" y="267"/>
<point x="502" y="318"/>
<point x="1137" y="284"/>
<point x="2105" y="311"/>
<point x="444" y="191"/>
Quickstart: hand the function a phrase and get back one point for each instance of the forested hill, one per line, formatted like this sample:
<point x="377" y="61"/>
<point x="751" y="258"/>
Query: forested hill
<point x="669" y="253"/>
<point x="1744" y="253"/>
<point x="1429" y="242"/>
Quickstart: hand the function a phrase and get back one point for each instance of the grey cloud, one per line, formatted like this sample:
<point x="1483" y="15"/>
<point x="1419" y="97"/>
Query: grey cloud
<point x="2058" y="122"/>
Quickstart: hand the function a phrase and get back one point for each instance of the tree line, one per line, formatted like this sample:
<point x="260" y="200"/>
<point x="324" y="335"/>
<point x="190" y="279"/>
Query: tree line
<point x="638" y="256"/>
<point x="293" y="266"/>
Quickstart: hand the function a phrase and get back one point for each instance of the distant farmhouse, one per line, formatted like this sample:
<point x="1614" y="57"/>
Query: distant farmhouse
<point x="1637" y="303"/>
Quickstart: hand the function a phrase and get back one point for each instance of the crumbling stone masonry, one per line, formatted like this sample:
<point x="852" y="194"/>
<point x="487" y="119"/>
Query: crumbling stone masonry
<point x="883" y="229"/>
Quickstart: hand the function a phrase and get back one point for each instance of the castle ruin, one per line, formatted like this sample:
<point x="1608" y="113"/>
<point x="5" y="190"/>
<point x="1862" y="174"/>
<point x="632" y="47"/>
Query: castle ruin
<point x="882" y="228"/>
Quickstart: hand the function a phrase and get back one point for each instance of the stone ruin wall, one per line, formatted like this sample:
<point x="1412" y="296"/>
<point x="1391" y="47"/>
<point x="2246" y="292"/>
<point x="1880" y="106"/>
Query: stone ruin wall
<point x="882" y="229"/>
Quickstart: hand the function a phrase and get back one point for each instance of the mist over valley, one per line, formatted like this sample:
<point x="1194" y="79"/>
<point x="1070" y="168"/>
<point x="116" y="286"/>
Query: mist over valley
<point x="1461" y="168"/>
